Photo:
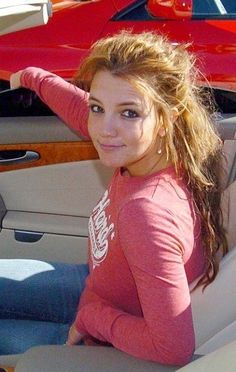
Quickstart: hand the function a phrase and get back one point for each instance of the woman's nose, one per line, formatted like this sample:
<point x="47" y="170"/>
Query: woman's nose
<point x="109" y="126"/>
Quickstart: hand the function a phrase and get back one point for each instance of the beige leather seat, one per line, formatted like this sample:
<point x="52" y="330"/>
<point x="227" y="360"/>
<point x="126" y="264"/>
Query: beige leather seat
<point x="229" y="196"/>
<point x="230" y="170"/>
<point x="229" y="210"/>
<point x="223" y="359"/>
<point x="214" y="310"/>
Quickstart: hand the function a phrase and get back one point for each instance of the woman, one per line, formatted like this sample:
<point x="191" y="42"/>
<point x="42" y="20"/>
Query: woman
<point x="158" y="226"/>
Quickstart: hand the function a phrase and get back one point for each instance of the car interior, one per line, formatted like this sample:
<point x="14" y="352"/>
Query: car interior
<point x="45" y="203"/>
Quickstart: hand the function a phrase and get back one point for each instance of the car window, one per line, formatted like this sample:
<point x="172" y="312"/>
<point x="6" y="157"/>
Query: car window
<point x="225" y="100"/>
<point x="219" y="100"/>
<point x="22" y="102"/>
<point x="134" y="12"/>
<point x="207" y="9"/>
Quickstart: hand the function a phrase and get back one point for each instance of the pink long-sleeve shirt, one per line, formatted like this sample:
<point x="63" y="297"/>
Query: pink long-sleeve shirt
<point x="145" y="248"/>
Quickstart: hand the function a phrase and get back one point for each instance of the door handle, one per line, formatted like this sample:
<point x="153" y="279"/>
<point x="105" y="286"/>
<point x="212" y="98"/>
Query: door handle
<point x="11" y="157"/>
<point x="27" y="237"/>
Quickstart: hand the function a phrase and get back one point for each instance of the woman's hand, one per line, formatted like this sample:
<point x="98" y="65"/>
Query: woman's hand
<point x="74" y="336"/>
<point x="15" y="80"/>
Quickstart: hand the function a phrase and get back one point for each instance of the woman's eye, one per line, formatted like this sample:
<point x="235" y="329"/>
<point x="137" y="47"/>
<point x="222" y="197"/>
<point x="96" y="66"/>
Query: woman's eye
<point x="96" y="109"/>
<point x="130" y="114"/>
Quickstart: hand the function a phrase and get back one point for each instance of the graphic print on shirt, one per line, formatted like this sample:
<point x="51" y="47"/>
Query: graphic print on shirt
<point x="101" y="231"/>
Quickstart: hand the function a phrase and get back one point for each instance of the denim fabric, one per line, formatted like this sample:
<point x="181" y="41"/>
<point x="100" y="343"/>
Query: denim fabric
<point x="16" y="336"/>
<point x="38" y="302"/>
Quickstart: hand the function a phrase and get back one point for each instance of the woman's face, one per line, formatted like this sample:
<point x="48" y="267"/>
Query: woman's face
<point x="123" y="124"/>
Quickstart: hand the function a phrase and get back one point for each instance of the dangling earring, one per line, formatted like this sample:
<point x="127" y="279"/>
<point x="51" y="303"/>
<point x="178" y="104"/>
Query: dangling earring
<point x="159" y="151"/>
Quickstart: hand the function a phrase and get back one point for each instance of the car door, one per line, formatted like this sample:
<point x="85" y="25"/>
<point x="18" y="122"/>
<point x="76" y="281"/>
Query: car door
<point x="49" y="182"/>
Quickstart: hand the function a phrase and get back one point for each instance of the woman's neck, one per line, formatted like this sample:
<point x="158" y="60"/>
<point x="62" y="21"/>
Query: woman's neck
<point x="160" y="164"/>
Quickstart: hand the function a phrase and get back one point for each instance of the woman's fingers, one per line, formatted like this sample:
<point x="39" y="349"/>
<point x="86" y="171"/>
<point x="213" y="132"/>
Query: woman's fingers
<point x="15" y="80"/>
<point x="74" y="336"/>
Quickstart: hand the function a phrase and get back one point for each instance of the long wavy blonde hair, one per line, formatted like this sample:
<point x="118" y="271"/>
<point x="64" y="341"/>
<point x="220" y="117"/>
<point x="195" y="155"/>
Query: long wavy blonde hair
<point x="167" y="74"/>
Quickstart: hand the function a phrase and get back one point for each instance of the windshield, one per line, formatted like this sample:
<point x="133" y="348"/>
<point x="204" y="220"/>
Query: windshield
<point x="223" y="9"/>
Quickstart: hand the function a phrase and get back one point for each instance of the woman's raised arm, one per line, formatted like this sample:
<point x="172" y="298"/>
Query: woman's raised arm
<point x="69" y="102"/>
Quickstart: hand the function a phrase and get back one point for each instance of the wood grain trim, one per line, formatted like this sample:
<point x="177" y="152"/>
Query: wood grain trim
<point x="8" y="369"/>
<point x="52" y="153"/>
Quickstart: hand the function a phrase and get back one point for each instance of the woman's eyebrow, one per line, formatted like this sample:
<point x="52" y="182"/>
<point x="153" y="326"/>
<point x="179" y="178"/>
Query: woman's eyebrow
<point x="128" y="103"/>
<point x="92" y="98"/>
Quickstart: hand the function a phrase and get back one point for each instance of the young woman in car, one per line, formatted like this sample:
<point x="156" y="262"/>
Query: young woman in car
<point x="158" y="227"/>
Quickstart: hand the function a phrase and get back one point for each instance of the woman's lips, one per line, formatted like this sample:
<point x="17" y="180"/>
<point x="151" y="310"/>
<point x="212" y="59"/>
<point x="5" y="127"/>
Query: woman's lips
<point x="109" y="147"/>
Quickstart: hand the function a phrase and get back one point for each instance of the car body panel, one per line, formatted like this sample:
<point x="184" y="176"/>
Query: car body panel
<point x="60" y="45"/>
<point x="175" y="9"/>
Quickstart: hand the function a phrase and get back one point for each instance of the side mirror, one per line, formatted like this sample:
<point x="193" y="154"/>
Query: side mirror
<point x="18" y="15"/>
<point x="171" y="9"/>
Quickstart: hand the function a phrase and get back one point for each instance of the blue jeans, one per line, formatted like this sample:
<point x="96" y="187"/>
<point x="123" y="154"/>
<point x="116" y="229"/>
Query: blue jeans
<point x="38" y="302"/>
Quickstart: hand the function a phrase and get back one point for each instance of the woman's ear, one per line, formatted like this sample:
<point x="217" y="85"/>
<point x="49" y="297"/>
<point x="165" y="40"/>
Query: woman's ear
<point x="174" y="115"/>
<point x="162" y="131"/>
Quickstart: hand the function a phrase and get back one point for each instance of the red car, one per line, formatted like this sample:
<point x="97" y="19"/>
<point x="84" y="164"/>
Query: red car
<point x="59" y="46"/>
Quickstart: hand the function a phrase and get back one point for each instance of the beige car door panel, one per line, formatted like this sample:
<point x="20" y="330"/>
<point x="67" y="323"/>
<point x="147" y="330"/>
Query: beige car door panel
<point x="47" y="210"/>
<point x="67" y="189"/>
<point x="51" y="247"/>
<point x="38" y="129"/>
